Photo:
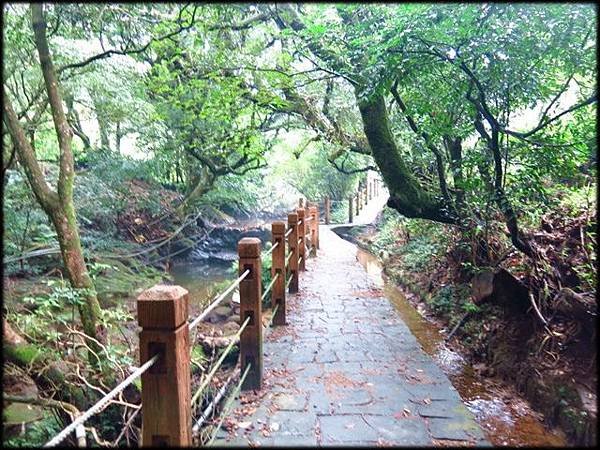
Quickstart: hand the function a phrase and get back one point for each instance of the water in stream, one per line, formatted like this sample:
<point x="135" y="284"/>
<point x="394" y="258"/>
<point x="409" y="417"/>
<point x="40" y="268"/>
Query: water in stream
<point x="505" y="417"/>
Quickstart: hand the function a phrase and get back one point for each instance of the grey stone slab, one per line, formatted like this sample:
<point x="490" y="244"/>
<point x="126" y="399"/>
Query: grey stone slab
<point x="286" y="401"/>
<point x="345" y="428"/>
<point x="405" y="432"/>
<point x="295" y="440"/>
<point x="389" y="390"/>
<point x="442" y="409"/>
<point x="293" y="422"/>
<point x="319" y="402"/>
<point x="432" y="391"/>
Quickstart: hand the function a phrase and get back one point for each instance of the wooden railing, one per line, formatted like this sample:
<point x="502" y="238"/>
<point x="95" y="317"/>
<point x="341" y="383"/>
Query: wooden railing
<point x="366" y="191"/>
<point x="167" y="401"/>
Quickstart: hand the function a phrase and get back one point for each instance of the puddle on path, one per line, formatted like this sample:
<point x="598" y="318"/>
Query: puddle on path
<point x="506" y="418"/>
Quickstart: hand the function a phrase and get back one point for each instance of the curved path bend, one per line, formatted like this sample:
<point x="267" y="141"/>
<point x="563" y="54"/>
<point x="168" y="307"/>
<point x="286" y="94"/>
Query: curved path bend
<point x="346" y="370"/>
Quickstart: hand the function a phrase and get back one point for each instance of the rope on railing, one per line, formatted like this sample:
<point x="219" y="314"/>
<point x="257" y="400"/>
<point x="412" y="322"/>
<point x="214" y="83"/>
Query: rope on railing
<point x="299" y="241"/>
<point x="287" y="259"/>
<point x="101" y="403"/>
<point x="268" y="252"/>
<point x="216" y="366"/>
<point x="300" y="260"/>
<point x="287" y="285"/>
<point x="288" y="232"/>
<point x="219" y="299"/>
<point x="272" y="316"/>
<point x="215" y="401"/>
<point x="300" y="222"/>
<point x="308" y="219"/>
<point x="227" y="406"/>
<point x="269" y="287"/>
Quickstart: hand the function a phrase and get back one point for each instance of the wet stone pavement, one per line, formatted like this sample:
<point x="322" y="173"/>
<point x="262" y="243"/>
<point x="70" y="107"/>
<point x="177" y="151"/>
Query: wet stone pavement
<point x="346" y="370"/>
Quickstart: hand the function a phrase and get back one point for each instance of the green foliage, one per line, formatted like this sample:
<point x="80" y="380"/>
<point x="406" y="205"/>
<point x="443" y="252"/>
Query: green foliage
<point x="50" y="313"/>
<point x="25" y="224"/>
<point x="36" y="434"/>
<point x="443" y="301"/>
<point x="339" y="211"/>
<point x="389" y="231"/>
<point x="313" y="176"/>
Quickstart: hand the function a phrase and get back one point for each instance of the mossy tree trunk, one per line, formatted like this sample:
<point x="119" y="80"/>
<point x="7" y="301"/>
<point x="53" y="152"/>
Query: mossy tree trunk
<point x="58" y="204"/>
<point x="407" y="196"/>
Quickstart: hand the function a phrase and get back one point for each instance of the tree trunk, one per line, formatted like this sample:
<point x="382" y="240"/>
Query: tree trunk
<point x="102" y="124"/>
<point x="58" y="204"/>
<point x="454" y="147"/>
<point x="202" y="184"/>
<point x="406" y="195"/>
<point x="510" y="217"/>
<point x="118" y="137"/>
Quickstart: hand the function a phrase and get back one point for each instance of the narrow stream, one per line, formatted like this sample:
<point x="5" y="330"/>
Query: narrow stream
<point x="506" y="418"/>
<point x="201" y="280"/>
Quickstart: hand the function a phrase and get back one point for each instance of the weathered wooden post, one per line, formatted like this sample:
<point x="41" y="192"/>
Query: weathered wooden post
<point x="301" y="239"/>
<point x="294" y="250"/>
<point x="166" y="398"/>
<point x="357" y="203"/>
<point x="317" y="221"/>
<point x="250" y="307"/>
<point x="327" y="209"/>
<point x="313" y="226"/>
<point x="278" y="269"/>
<point x="350" y="204"/>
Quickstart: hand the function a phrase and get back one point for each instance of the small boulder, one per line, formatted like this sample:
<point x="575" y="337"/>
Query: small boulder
<point x="219" y="314"/>
<point x="230" y="328"/>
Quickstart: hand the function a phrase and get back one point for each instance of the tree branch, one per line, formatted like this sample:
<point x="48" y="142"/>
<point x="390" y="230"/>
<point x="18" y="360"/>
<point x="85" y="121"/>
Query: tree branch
<point x="47" y="197"/>
<point x="132" y="51"/>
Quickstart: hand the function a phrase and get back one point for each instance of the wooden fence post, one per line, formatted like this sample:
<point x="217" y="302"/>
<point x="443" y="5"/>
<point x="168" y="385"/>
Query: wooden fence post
<point x="278" y="268"/>
<point x="350" y="205"/>
<point x="327" y="209"/>
<point x="313" y="227"/>
<point x="166" y="387"/>
<point x="294" y="249"/>
<point x="357" y="203"/>
<point x="301" y="239"/>
<point x="250" y="306"/>
<point x="317" y="221"/>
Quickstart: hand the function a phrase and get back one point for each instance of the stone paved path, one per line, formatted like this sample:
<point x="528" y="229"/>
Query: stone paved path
<point x="347" y="371"/>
